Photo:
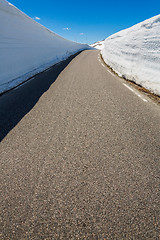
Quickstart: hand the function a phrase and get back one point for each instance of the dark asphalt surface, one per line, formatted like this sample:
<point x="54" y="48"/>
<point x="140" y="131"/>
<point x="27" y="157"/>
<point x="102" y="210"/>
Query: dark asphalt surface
<point x="79" y="157"/>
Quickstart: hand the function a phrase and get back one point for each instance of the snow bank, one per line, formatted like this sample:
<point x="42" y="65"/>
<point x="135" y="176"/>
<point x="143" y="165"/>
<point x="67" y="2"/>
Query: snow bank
<point x="26" y="47"/>
<point x="98" y="45"/>
<point x="135" y="53"/>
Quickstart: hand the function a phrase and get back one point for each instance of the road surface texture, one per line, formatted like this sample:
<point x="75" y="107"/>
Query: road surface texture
<point x="79" y="156"/>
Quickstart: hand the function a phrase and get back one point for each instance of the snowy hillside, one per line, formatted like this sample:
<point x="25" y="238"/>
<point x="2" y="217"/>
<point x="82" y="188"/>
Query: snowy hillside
<point x="27" y="47"/>
<point x="98" y="45"/>
<point x="135" y="53"/>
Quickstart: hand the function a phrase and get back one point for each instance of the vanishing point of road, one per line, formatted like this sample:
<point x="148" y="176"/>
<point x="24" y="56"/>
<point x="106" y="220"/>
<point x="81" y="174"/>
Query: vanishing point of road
<point x="79" y="156"/>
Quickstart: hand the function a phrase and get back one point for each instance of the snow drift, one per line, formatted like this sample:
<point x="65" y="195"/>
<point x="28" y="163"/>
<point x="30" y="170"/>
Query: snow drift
<point x="135" y="53"/>
<point x="26" y="47"/>
<point x="98" y="45"/>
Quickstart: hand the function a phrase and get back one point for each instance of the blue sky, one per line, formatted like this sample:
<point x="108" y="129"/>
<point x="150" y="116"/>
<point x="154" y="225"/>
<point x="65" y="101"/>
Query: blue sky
<point x="86" y="20"/>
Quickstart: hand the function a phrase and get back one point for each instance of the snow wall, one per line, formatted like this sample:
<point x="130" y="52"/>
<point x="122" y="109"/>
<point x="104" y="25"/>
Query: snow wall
<point x="27" y="48"/>
<point x="134" y="53"/>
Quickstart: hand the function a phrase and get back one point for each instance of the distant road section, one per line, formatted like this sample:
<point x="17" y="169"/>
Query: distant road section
<point x="80" y="156"/>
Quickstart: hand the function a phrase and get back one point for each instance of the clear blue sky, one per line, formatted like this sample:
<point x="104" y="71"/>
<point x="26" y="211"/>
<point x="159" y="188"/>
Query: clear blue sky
<point x="86" y="20"/>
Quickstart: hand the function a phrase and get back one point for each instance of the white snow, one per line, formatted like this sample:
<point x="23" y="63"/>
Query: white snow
<point x="26" y="47"/>
<point x="135" y="53"/>
<point x="98" y="45"/>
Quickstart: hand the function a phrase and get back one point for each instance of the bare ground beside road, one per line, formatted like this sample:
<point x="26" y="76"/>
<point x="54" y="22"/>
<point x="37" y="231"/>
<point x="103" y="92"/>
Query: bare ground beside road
<point x="83" y="161"/>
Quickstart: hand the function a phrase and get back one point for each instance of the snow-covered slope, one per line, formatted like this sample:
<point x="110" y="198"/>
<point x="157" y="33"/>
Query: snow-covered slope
<point x="98" y="45"/>
<point x="26" y="47"/>
<point x="135" y="53"/>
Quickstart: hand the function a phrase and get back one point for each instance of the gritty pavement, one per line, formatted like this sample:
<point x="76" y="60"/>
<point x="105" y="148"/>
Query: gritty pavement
<point x="79" y="157"/>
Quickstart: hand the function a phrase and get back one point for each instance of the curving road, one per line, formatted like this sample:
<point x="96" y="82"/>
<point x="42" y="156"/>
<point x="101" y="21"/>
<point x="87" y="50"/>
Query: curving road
<point x="79" y="156"/>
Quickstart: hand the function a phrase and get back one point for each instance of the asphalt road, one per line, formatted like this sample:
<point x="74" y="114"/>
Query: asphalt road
<point x="79" y="156"/>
